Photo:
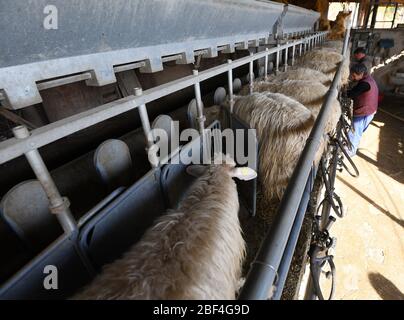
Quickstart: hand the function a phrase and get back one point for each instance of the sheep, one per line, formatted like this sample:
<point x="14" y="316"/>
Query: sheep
<point x="192" y="252"/>
<point x="338" y="26"/>
<point x="299" y="73"/>
<point x="309" y="93"/>
<point x="327" y="62"/>
<point x="333" y="45"/>
<point x="283" y="126"/>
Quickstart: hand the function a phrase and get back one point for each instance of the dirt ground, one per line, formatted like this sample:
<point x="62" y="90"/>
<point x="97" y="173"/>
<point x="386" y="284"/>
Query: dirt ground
<point x="369" y="254"/>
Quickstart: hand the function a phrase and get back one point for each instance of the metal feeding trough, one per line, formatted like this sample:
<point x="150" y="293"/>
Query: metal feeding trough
<point x="107" y="233"/>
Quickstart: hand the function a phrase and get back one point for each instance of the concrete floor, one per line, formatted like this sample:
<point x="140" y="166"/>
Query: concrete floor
<point x="369" y="254"/>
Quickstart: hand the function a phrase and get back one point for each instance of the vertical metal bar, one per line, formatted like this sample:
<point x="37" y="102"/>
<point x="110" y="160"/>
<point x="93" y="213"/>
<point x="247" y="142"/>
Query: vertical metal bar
<point x="375" y="9"/>
<point x="277" y="61"/>
<point x="201" y="117"/>
<point x="266" y="65"/>
<point x="230" y="84"/>
<point x="144" y="118"/>
<point x="251" y="74"/>
<point x="286" y="57"/>
<point x="346" y="39"/>
<point x="198" y="98"/>
<point x="293" y="54"/>
<point x="394" y="17"/>
<point x="57" y="204"/>
<point x="300" y="49"/>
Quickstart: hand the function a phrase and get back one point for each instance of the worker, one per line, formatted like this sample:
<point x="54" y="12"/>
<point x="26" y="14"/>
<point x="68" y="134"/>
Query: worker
<point x="360" y="57"/>
<point x="365" y="95"/>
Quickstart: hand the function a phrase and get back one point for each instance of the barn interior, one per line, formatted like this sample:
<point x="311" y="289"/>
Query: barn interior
<point x="81" y="88"/>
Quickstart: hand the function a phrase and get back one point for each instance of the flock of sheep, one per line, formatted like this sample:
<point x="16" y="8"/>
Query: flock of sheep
<point x="197" y="251"/>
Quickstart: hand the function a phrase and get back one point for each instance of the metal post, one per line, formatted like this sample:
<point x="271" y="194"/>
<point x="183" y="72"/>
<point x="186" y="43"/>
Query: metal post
<point x="300" y="49"/>
<point x="266" y="65"/>
<point x="286" y="58"/>
<point x="201" y="117"/>
<point x="251" y="74"/>
<point x="394" y="17"/>
<point x="293" y="54"/>
<point x="277" y="61"/>
<point x="144" y="118"/>
<point x="58" y="205"/>
<point x="230" y="82"/>
<point x="347" y="36"/>
<point x="375" y="9"/>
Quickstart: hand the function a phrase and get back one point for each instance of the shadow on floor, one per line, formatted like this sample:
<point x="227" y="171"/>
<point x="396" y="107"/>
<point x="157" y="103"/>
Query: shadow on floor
<point x="378" y="207"/>
<point x="390" y="155"/>
<point x="384" y="287"/>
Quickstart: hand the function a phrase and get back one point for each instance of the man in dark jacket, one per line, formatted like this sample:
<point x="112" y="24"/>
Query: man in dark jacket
<point x="365" y="96"/>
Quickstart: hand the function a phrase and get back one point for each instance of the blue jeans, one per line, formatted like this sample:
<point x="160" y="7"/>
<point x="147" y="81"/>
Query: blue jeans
<point x="360" y="125"/>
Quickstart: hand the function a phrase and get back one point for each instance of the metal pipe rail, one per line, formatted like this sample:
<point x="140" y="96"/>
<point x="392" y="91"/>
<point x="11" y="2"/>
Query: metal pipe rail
<point x="265" y="268"/>
<point x="13" y="148"/>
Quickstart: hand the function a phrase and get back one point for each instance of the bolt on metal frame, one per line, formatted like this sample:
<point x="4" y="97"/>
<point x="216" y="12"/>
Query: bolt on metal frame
<point x="27" y="143"/>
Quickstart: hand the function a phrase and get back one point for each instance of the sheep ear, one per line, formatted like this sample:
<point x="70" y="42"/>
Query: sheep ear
<point x="243" y="173"/>
<point x="196" y="170"/>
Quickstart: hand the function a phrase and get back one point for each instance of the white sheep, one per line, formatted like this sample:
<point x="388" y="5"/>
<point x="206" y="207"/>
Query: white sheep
<point x="298" y="73"/>
<point x="283" y="126"/>
<point x="334" y="45"/>
<point x="193" y="252"/>
<point x="327" y="62"/>
<point x="309" y="93"/>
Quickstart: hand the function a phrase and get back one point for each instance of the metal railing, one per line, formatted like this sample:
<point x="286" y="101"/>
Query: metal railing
<point x="273" y="259"/>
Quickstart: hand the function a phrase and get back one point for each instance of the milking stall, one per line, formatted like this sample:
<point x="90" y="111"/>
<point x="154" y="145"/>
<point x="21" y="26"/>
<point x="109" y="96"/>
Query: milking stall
<point x="199" y="150"/>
